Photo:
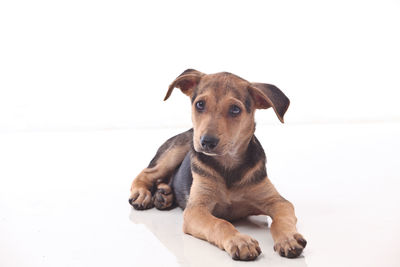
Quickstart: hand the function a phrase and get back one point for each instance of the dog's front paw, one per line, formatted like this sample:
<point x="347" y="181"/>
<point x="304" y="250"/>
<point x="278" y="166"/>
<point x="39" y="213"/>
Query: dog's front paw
<point x="140" y="198"/>
<point x="242" y="247"/>
<point x="163" y="197"/>
<point x="291" y="245"/>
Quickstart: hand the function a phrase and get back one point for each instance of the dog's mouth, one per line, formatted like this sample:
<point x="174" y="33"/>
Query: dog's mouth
<point x="209" y="153"/>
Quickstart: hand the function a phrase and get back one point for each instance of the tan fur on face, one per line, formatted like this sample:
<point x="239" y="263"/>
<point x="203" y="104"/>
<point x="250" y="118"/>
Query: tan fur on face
<point x="219" y="92"/>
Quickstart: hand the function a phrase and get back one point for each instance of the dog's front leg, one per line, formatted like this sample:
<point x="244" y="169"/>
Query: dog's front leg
<point x="199" y="222"/>
<point x="287" y="241"/>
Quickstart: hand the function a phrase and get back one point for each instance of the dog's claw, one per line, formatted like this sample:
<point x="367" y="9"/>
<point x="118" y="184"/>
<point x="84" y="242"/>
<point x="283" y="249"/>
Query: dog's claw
<point x="294" y="252"/>
<point x="302" y="242"/>
<point x="236" y="255"/>
<point x="282" y="252"/>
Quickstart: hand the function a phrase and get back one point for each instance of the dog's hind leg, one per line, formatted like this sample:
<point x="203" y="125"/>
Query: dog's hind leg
<point x="155" y="177"/>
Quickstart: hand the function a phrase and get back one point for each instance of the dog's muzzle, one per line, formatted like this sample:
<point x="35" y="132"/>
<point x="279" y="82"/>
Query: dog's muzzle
<point x="208" y="142"/>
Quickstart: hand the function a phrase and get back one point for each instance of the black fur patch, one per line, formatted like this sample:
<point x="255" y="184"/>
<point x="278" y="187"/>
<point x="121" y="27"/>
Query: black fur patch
<point x="181" y="182"/>
<point x="199" y="170"/>
<point x="258" y="175"/>
<point x="177" y="140"/>
<point x="254" y="154"/>
<point x="247" y="103"/>
<point x="194" y="94"/>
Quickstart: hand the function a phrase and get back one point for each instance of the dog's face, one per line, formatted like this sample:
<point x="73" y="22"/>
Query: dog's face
<point x="223" y="107"/>
<point x="222" y="114"/>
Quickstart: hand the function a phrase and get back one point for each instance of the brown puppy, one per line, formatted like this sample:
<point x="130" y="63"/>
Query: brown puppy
<point x="216" y="171"/>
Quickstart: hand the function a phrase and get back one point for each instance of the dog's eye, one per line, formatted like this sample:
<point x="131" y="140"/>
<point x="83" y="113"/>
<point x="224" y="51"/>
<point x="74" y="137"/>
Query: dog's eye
<point x="234" y="110"/>
<point x="200" y="105"/>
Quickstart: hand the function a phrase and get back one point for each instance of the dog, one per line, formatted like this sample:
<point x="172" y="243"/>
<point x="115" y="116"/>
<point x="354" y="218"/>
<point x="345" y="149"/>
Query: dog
<point x="216" y="171"/>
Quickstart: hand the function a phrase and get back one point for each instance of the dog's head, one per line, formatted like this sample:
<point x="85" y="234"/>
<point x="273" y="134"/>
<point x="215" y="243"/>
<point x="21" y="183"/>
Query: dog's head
<point x="223" y="107"/>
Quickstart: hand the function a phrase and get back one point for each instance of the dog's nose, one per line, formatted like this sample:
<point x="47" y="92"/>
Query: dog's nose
<point x="209" y="142"/>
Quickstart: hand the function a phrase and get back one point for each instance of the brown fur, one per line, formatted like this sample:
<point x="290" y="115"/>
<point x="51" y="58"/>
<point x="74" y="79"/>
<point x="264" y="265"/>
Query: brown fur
<point x="229" y="182"/>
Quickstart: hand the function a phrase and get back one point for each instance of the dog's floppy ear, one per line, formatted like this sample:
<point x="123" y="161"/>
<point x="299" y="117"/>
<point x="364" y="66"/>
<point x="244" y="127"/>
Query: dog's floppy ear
<point x="187" y="81"/>
<point x="268" y="95"/>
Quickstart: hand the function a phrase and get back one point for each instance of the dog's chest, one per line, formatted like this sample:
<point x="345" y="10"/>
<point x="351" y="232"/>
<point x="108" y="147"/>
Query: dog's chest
<point x="233" y="206"/>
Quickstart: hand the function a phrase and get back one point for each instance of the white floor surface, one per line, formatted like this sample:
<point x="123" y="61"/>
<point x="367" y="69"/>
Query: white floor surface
<point x="64" y="199"/>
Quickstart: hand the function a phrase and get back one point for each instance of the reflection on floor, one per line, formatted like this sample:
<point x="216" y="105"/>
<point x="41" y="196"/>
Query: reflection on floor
<point x="190" y="251"/>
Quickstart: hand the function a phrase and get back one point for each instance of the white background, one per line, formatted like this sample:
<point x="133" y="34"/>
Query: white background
<point x="107" y="64"/>
<point x="81" y="113"/>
